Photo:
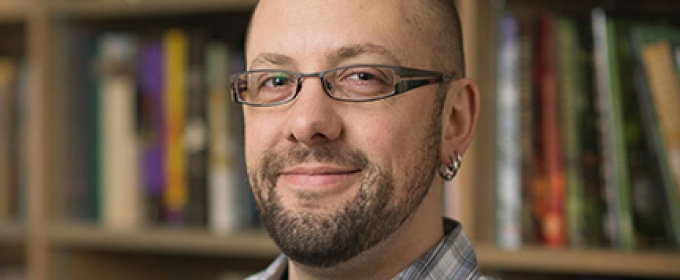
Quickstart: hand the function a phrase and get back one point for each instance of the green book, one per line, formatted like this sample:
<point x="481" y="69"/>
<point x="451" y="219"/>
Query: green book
<point x="658" y="92"/>
<point x="572" y="90"/>
<point x="619" y="225"/>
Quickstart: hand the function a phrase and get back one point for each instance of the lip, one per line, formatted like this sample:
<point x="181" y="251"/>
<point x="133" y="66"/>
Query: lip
<point x="318" y="177"/>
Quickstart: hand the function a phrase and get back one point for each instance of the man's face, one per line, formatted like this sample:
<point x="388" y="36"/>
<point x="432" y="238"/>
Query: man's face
<point x="332" y="179"/>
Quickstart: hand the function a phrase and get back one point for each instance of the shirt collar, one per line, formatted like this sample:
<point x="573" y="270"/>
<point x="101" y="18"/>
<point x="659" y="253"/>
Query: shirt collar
<point x="452" y="258"/>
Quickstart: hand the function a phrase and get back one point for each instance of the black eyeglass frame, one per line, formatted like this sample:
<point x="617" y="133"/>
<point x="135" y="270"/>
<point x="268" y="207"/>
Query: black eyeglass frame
<point x="428" y="77"/>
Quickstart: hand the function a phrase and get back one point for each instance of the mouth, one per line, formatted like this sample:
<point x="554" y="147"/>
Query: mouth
<point x="318" y="177"/>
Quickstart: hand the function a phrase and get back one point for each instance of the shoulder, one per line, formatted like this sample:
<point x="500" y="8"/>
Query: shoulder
<point x="452" y="258"/>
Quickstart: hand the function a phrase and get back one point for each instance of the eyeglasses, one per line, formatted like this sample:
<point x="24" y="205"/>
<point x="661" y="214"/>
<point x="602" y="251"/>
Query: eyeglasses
<point x="356" y="83"/>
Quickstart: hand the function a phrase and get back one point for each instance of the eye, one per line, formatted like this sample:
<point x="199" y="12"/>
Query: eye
<point x="362" y="82"/>
<point x="276" y="80"/>
<point x="362" y="76"/>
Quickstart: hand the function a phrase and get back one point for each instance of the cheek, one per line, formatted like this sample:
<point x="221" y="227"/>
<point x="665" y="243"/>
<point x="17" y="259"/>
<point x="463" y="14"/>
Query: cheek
<point x="393" y="140"/>
<point x="259" y="134"/>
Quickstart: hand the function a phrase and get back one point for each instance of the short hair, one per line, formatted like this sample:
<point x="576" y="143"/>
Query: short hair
<point x="438" y="22"/>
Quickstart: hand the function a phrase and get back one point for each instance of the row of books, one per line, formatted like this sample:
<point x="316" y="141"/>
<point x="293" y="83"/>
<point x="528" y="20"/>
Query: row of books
<point x="13" y="93"/>
<point x="588" y="132"/>
<point x="157" y="140"/>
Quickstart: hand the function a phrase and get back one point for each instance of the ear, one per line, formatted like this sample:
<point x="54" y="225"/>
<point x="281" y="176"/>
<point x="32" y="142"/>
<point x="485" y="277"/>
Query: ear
<point x="459" y="118"/>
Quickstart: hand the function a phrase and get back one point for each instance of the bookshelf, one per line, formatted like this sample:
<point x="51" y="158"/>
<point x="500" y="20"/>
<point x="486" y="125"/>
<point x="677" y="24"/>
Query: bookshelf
<point x="51" y="246"/>
<point x="482" y="19"/>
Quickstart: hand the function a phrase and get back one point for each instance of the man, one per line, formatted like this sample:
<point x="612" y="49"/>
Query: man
<point x="352" y="109"/>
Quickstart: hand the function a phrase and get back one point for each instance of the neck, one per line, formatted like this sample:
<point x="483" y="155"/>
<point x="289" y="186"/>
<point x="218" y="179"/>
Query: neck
<point x="419" y="233"/>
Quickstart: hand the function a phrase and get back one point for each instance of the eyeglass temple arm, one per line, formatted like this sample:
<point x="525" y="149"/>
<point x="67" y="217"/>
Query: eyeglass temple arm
<point x="406" y="85"/>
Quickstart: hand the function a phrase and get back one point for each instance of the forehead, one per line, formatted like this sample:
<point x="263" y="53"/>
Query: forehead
<point x="312" y="30"/>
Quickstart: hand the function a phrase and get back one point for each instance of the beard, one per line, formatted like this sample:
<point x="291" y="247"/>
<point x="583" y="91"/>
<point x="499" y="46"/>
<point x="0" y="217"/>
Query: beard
<point x="327" y="238"/>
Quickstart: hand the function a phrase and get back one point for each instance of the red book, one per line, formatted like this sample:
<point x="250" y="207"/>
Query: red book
<point x="552" y="221"/>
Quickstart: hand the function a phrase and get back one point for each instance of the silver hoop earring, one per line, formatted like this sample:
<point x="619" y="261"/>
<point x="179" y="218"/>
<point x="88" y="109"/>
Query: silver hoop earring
<point x="447" y="172"/>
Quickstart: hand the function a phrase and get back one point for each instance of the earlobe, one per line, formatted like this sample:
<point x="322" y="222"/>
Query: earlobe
<point x="459" y="118"/>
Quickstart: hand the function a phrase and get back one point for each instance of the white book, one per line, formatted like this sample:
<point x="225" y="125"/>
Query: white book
<point x="120" y="194"/>
<point x="509" y="162"/>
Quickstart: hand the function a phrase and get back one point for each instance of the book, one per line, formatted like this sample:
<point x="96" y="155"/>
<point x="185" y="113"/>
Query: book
<point x="151" y="122"/>
<point x="646" y="202"/>
<point x="83" y="129"/>
<point x="583" y="201"/>
<point x="530" y="223"/>
<point x="619" y="225"/>
<point x="196" y="130"/>
<point x="225" y="203"/>
<point x="120" y="193"/>
<point x="175" y="58"/>
<point x="594" y="206"/>
<point x="572" y="92"/>
<point x="552" y="220"/>
<point x="508" y="188"/>
<point x="660" y="102"/>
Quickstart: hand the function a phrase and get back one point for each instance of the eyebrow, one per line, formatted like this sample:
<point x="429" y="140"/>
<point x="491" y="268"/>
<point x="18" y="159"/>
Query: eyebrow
<point x="354" y="50"/>
<point x="272" y="59"/>
<point x="343" y="53"/>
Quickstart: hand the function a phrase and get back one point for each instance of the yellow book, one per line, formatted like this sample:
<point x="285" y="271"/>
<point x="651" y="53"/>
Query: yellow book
<point x="665" y="90"/>
<point x="175" y="57"/>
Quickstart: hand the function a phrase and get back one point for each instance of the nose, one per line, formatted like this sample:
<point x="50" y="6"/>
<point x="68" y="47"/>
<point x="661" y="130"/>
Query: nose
<point x="313" y="117"/>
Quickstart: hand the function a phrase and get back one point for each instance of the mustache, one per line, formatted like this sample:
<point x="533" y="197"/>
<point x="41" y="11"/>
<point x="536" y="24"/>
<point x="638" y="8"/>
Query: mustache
<point x="274" y="162"/>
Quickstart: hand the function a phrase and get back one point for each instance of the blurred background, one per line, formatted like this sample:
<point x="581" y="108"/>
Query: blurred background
<point x="121" y="153"/>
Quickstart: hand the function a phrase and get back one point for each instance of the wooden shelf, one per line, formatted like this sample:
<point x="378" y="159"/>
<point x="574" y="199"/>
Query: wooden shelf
<point x="12" y="233"/>
<point x="249" y="243"/>
<point x="68" y="251"/>
<point x="125" y="8"/>
<point x="588" y="261"/>
<point x="13" y="11"/>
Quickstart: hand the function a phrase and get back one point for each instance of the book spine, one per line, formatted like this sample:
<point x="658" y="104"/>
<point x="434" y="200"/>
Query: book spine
<point x="152" y="130"/>
<point x="571" y="95"/>
<point x="527" y="129"/>
<point x="552" y="223"/>
<point x="119" y="185"/>
<point x="665" y="92"/>
<point x="78" y="140"/>
<point x="196" y="132"/>
<point x="508" y="211"/>
<point x="618" y="219"/>
<point x="225" y="203"/>
<point x="175" y="195"/>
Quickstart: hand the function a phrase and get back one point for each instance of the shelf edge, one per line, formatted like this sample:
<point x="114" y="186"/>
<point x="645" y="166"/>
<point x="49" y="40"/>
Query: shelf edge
<point x="590" y="261"/>
<point x="247" y="243"/>
<point x="99" y="9"/>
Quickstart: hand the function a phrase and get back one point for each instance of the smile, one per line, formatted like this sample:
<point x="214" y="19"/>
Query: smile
<point x="318" y="177"/>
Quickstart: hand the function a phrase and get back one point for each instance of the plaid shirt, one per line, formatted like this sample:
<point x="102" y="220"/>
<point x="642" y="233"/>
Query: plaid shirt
<point x="452" y="258"/>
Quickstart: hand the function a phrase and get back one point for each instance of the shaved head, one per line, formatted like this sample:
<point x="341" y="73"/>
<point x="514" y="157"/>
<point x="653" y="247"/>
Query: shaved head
<point x="437" y="23"/>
